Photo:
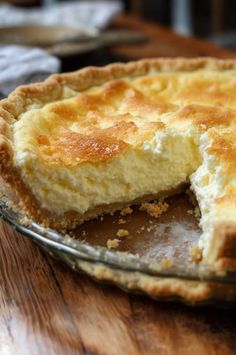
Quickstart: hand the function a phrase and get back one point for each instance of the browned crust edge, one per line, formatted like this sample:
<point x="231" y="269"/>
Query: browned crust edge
<point x="192" y="292"/>
<point x="51" y="90"/>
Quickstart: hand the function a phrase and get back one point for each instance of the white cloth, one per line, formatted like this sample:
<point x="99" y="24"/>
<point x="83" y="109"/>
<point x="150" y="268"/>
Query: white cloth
<point x="22" y="65"/>
<point x="85" y="15"/>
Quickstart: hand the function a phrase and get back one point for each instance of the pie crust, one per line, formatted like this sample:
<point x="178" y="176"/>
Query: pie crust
<point x="223" y="246"/>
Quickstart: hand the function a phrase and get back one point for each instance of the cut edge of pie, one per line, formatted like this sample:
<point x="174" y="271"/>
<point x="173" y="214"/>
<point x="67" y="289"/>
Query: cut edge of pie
<point x="222" y="248"/>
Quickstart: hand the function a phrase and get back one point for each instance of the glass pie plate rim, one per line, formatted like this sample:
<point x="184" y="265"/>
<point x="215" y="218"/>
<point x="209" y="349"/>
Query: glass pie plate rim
<point x="70" y="250"/>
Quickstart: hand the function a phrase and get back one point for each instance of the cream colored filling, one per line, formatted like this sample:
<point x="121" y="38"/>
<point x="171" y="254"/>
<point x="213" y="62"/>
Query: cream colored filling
<point x="207" y="182"/>
<point x="158" y="165"/>
<point x="170" y="158"/>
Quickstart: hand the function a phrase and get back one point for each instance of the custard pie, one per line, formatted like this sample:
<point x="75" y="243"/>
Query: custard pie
<point x="100" y="139"/>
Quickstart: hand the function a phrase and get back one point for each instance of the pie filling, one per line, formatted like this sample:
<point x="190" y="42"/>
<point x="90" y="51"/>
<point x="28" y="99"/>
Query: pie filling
<point x="130" y="139"/>
<point x="161" y="164"/>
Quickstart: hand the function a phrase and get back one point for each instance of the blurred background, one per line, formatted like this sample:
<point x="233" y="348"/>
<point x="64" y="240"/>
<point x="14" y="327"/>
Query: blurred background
<point x="205" y="18"/>
<point x="96" y="32"/>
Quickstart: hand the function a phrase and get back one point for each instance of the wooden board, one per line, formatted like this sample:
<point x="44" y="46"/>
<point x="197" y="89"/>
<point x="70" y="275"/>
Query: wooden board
<point x="48" y="309"/>
<point x="162" y="42"/>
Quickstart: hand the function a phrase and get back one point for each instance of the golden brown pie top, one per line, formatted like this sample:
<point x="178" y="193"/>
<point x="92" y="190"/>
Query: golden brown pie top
<point x="100" y="123"/>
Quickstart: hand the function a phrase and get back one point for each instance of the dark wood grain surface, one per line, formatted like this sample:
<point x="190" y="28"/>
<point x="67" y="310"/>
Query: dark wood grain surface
<point x="162" y="42"/>
<point x="45" y="308"/>
<point x="48" y="309"/>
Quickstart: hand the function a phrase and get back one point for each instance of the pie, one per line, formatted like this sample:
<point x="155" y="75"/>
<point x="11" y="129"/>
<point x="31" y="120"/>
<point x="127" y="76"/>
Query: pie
<point x="100" y="139"/>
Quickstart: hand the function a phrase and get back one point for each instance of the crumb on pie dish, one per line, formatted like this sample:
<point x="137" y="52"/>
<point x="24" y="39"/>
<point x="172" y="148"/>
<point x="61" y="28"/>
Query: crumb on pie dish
<point x="101" y="139"/>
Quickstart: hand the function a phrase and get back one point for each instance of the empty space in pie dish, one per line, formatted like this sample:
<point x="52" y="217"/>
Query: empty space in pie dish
<point x="172" y="237"/>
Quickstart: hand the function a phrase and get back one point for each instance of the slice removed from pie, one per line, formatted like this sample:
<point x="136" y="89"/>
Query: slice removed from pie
<point x="97" y="140"/>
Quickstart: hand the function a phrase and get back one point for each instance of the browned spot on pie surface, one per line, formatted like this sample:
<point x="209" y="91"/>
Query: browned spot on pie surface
<point x="208" y="91"/>
<point x="120" y="130"/>
<point x="223" y="146"/>
<point x="65" y="111"/>
<point x="205" y="117"/>
<point x="42" y="139"/>
<point x="72" y="148"/>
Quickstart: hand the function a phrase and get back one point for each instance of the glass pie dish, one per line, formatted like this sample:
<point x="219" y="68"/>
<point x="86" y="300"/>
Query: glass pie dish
<point x="155" y="258"/>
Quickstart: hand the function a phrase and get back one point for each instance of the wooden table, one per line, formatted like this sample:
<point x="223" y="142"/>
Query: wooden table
<point x="45" y="308"/>
<point x="164" y="43"/>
